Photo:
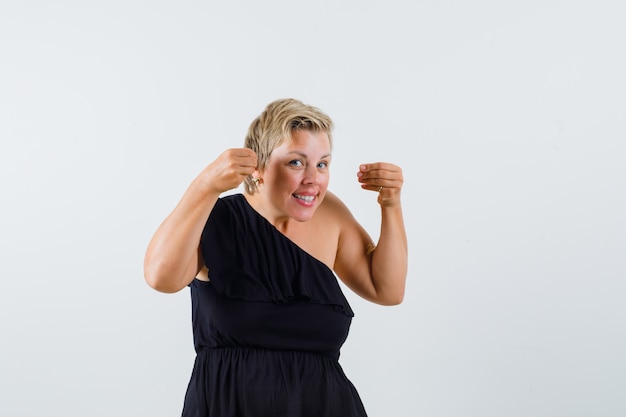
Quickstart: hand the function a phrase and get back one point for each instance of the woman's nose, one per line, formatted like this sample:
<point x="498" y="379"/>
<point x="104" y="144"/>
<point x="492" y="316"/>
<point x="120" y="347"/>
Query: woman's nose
<point x="311" y="175"/>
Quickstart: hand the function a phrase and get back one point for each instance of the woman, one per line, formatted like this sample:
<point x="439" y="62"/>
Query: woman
<point x="268" y="315"/>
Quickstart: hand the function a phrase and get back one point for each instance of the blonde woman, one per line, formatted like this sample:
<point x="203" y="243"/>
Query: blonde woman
<point x="269" y="317"/>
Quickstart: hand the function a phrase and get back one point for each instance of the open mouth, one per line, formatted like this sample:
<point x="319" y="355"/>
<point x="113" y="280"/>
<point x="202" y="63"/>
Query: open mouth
<point x="305" y="198"/>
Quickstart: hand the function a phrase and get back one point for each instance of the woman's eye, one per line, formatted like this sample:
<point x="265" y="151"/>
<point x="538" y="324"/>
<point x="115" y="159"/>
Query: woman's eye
<point x="296" y="163"/>
<point x="322" y="165"/>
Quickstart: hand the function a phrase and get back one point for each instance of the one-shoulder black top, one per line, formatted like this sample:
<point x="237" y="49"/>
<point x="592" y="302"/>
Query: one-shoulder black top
<point x="268" y="325"/>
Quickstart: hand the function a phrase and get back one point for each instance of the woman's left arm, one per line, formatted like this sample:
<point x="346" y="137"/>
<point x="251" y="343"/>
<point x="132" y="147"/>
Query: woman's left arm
<point x="376" y="272"/>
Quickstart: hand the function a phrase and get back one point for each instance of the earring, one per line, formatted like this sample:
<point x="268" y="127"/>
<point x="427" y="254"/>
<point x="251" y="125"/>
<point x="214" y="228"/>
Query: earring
<point x="256" y="181"/>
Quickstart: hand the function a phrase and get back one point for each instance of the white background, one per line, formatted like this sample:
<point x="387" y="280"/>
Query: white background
<point x="508" y="118"/>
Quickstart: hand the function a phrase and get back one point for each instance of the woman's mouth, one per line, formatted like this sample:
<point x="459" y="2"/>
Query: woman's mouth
<point x="305" y="198"/>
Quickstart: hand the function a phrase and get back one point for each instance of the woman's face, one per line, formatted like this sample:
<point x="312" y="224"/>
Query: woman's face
<point x="297" y="174"/>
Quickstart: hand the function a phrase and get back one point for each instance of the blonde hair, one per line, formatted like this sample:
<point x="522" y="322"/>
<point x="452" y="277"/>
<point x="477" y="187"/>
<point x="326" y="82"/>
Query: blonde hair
<point x="275" y="125"/>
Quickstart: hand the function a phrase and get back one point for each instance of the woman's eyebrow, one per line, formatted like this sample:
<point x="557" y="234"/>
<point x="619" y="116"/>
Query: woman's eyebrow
<point x="303" y="155"/>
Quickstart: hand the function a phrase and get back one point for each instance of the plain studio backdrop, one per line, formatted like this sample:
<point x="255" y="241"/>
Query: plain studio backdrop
<point x="508" y="119"/>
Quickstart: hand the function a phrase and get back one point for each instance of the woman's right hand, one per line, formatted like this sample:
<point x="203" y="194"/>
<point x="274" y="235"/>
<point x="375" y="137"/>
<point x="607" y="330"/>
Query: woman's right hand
<point x="229" y="170"/>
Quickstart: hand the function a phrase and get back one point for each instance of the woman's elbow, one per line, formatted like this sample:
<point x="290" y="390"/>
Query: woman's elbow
<point x="388" y="298"/>
<point x="160" y="280"/>
<point x="392" y="300"/>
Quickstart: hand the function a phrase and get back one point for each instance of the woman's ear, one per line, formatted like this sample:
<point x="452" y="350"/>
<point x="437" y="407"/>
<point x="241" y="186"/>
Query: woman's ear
<point x="257" y="174"/>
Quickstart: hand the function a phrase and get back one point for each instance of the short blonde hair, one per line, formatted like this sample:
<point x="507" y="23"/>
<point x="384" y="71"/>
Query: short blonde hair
<point x="275" y="125"/>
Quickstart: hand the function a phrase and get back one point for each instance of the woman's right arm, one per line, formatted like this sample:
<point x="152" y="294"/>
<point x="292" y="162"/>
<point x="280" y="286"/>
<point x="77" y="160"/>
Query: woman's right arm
<point x="172" y="259"/>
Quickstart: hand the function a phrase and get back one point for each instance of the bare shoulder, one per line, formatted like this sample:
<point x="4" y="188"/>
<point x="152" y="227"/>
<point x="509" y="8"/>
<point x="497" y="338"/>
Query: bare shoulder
<point x="333" y="208"/>
<point x="330" y="216"/>
<point x="335" y="214"/>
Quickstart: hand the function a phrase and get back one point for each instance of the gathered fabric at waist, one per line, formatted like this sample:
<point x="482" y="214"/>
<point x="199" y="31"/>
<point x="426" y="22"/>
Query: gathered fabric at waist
<point x="245" y="352"/>
<point x="240" y="381"/>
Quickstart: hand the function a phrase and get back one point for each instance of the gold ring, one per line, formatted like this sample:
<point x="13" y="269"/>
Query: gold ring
<point x="380" y="188"/>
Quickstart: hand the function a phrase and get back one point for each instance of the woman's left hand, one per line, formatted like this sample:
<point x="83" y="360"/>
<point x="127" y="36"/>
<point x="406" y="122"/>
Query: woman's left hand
<point x="383" y="177"/>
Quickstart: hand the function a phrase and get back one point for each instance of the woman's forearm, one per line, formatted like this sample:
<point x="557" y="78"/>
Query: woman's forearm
<point x="390" y="258"/>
